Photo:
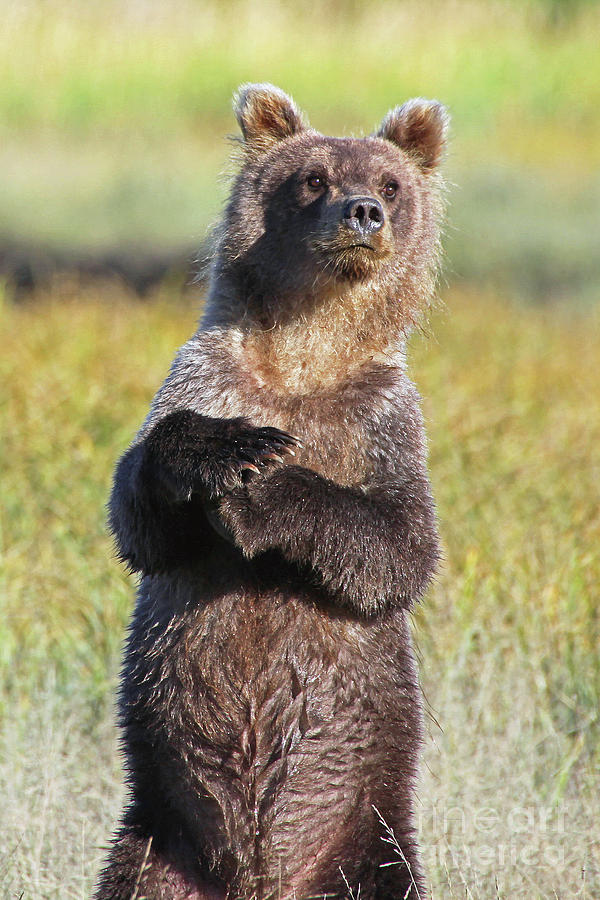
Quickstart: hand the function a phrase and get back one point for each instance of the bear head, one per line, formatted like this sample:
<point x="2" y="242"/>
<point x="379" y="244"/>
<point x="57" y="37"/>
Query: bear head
<point x="311" y="217"/>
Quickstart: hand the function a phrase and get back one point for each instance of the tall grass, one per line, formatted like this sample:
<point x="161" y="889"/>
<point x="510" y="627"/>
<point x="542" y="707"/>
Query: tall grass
<point x="508" y="637"/>
<point x="71" y="387"/>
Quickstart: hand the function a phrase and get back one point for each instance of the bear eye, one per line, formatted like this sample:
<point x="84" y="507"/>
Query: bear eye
<point x="390" y="190"/>
<point x="315" y="182"/>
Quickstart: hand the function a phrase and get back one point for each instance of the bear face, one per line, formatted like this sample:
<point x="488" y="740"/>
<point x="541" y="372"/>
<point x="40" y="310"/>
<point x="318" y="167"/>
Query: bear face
<point x="314" y="215"/>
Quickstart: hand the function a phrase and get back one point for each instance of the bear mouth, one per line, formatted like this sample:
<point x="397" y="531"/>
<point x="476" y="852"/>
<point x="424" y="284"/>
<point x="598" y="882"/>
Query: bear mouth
<point x="350" y="257"/>
<point x="355" y="261"/>
<point x="354" y="250"/>
<point x="361" y="246"/>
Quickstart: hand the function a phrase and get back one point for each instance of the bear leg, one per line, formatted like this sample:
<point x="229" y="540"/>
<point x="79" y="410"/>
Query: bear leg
<point x="136" y="870"/>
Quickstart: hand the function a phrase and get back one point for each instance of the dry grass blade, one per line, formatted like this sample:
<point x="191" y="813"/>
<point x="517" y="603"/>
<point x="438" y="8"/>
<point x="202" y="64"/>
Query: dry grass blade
<point x="138" y="880"/>
<point x="390" y="838"/>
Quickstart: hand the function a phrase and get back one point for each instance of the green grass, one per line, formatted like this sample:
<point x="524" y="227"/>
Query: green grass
<point x="71" y="392"/>
<point x="508" y="637"/>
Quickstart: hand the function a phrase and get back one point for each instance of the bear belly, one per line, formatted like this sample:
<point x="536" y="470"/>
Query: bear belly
<point x="266" y="731"/>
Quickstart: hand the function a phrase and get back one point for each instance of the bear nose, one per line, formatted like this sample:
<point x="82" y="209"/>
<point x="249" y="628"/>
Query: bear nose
<point x="363" y="214"/>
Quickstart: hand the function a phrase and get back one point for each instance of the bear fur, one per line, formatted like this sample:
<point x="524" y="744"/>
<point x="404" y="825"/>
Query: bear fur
<point x="276" y="505"/>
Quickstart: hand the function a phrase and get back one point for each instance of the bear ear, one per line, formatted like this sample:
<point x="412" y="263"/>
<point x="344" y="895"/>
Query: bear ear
<point x="266" y="115"/>
<point x="420" y="128"/>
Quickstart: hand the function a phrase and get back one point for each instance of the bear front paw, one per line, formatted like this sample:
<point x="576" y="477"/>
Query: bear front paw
<point x="253" y="450"/>
<point x="269" y="512"/>
<point x="240" y="520"/>
<point x="187" y="454"/>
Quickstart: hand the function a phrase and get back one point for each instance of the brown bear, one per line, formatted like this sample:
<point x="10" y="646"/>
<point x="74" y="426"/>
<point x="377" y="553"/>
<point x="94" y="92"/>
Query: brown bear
<point x="277" y="507"/>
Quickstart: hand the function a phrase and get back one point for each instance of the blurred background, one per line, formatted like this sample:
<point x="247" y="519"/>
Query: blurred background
<point x="113" y="119"/>
<point x="113" y="164"/>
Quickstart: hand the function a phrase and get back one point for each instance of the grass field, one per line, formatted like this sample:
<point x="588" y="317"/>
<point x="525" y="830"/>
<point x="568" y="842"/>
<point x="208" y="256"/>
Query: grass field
<point x="508" y="637"/>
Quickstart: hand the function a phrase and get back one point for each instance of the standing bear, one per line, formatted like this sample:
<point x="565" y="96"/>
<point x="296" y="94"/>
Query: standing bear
<point x="277" y="508"/>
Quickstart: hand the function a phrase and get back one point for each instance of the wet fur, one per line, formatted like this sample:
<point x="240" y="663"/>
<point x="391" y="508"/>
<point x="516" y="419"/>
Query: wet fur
<point x="269" y="694"/>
